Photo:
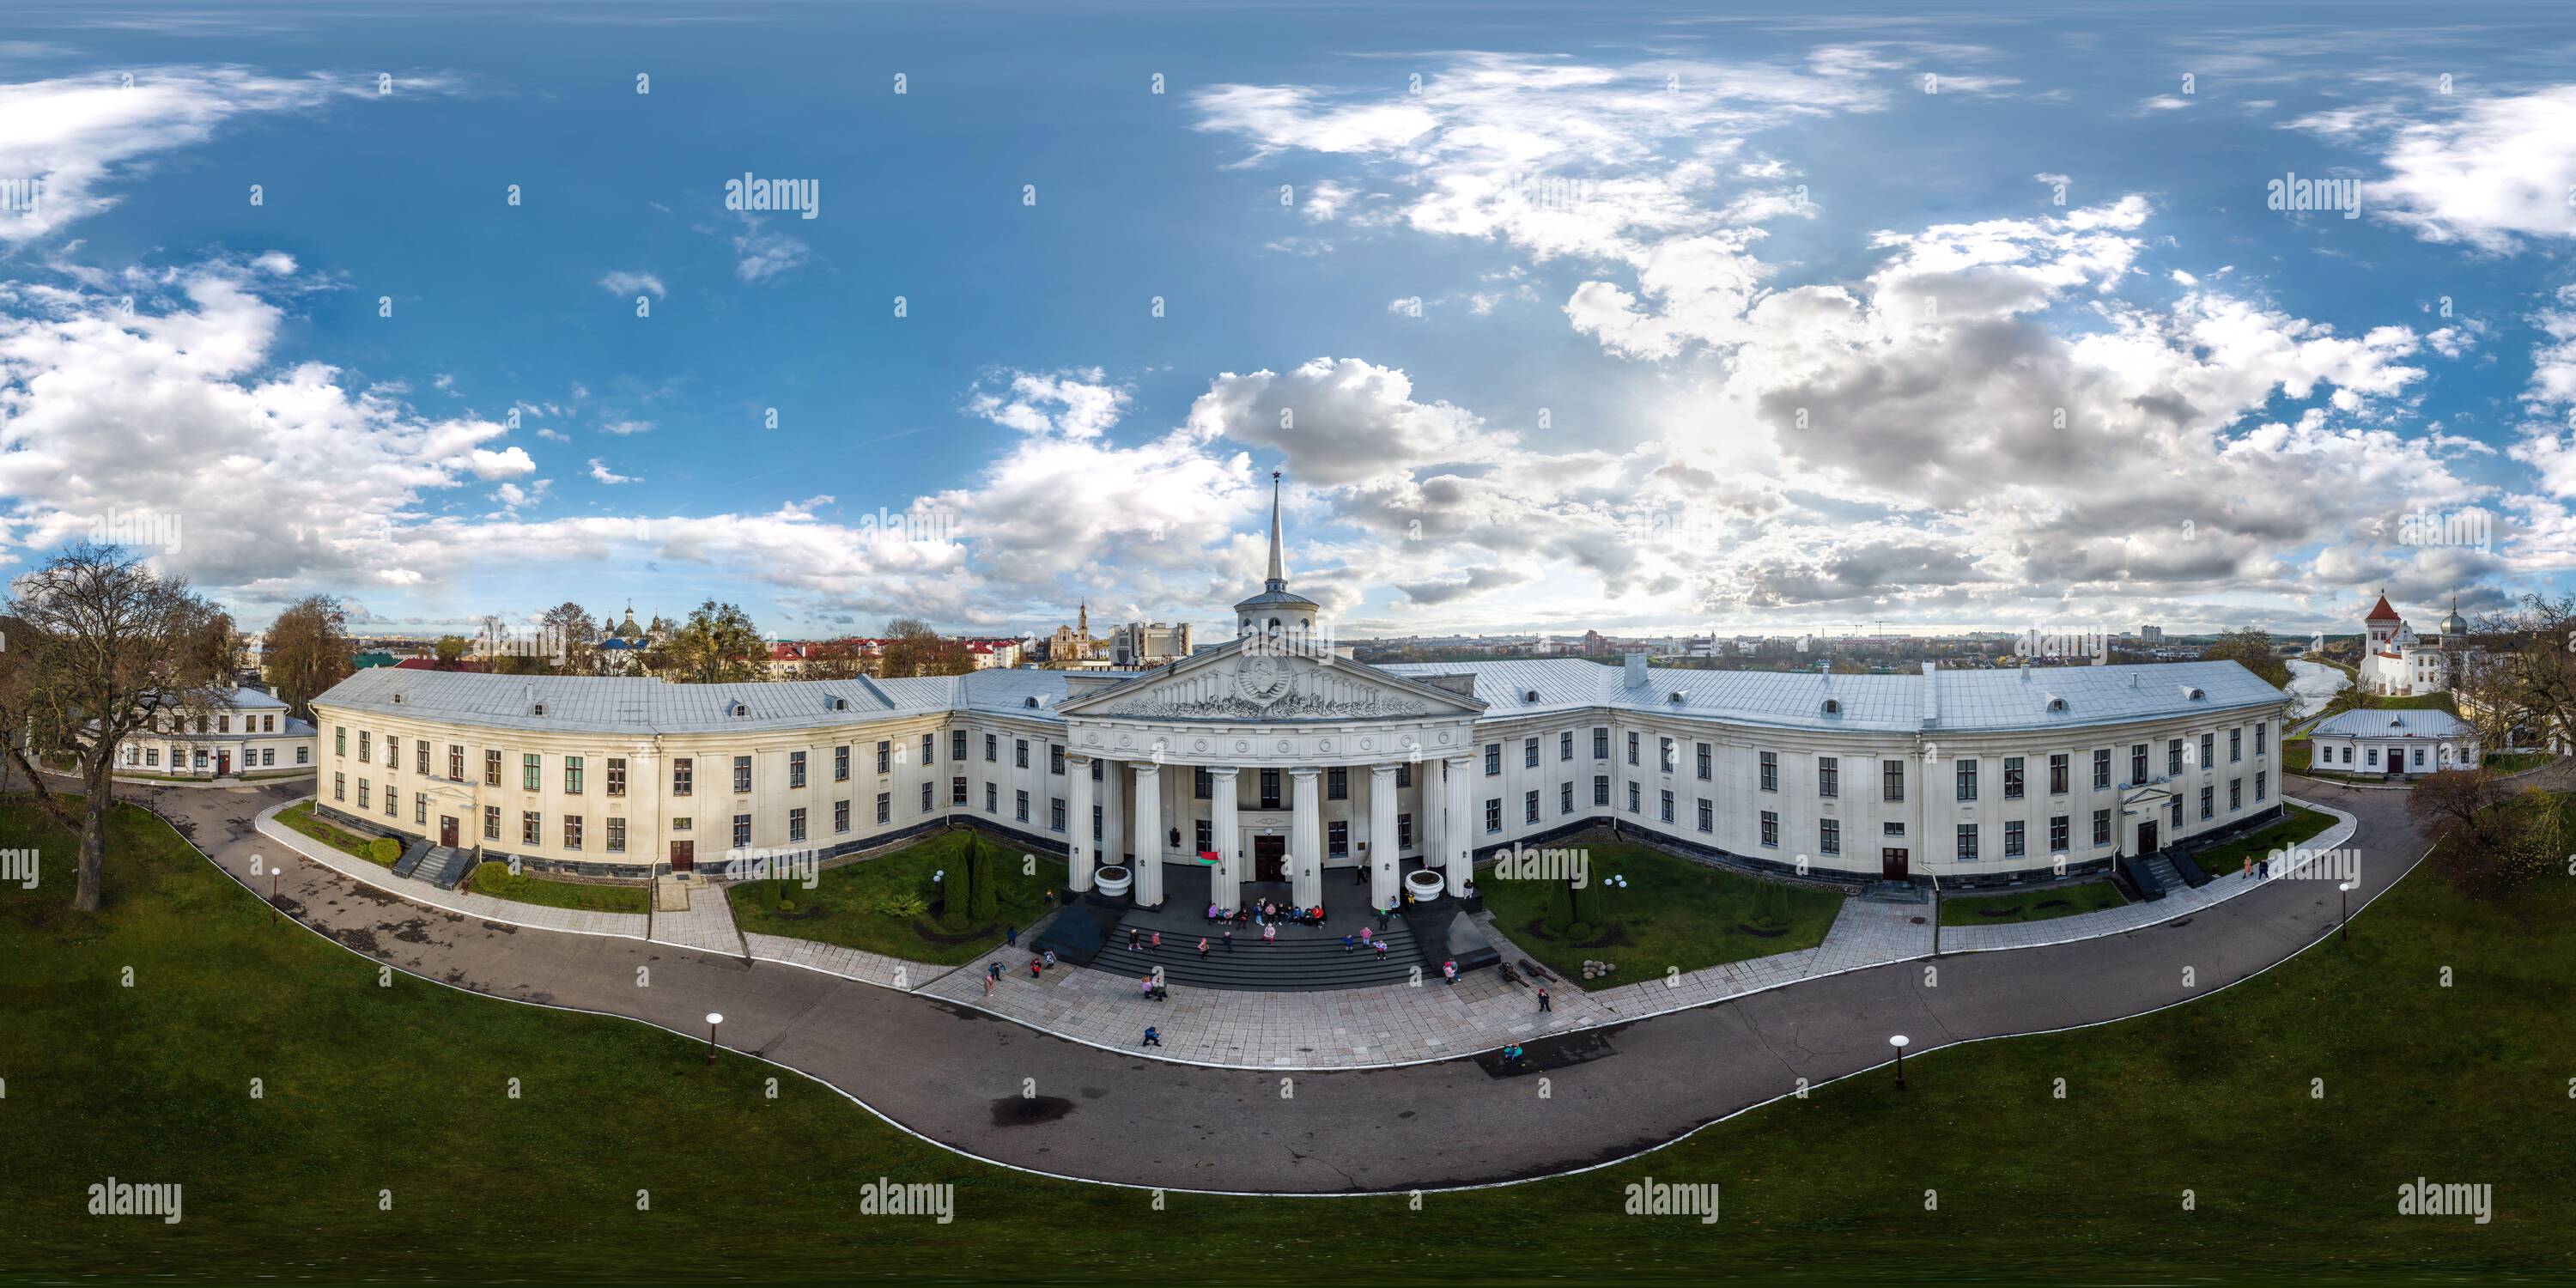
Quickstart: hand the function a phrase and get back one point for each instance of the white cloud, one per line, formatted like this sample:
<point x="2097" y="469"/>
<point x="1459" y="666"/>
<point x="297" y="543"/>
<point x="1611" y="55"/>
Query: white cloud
<point x="508" y="463"/>
<point x="599" y="470"/>
<point x="624" y="426"/>
<point x="1072" y="404"/>
<point x="2489" y="173"/>
<point x="765" y="254"/>
<point x="624" y="283"/>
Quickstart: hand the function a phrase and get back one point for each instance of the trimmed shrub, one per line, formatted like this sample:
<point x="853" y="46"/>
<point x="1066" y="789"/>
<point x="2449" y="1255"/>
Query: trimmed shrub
<point x="955" y="899"/>
<point x="385" y="850"/>
<point x="1585" y="901"/>
<point x="984" y="894"/>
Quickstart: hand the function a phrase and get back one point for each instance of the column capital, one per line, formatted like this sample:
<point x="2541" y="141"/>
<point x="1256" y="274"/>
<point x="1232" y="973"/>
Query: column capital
<point x="1221" y="771"/>
<point x="1459" y="758"/>
<point x="1304" y="771"/>
<point x="1388" y="770"/>
<point x="1072" y="757"/>
<point x="1147" y="768"/>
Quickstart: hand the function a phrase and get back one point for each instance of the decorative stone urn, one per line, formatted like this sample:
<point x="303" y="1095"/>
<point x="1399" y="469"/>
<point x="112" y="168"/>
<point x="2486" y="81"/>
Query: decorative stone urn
<point x="1424" y="885"/>
<point x="1113" y="881"/>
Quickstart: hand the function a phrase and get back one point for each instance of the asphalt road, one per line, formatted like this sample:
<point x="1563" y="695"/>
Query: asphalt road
<point x="956" y="1076"/>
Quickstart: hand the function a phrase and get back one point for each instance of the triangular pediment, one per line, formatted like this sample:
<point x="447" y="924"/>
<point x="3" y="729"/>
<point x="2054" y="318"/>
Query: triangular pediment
<point x="1235" y="683"/>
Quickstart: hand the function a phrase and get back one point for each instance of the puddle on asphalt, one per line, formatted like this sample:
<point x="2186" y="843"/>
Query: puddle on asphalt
<point x="1023" y="1111"/>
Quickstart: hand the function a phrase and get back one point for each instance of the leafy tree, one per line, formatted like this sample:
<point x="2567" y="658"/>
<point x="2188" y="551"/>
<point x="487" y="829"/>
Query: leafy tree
<point x="2250" y="647"/>
<point x="308" y="650"/>
<point x="717" y="645"/>
<point x="104" y="648"/>
<point x="451" y="648"/>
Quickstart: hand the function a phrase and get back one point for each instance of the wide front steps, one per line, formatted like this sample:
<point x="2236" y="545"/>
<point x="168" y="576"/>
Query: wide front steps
<point x="2167" y="875"/>
<point x="1305" y="962"/>
<point x="439" y="866"/>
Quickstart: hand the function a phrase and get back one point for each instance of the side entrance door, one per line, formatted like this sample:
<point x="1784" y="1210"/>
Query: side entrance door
<point x="223" y="764"/>
<point x="447" y="830"/>
<point x="2147" y="837"/>
<point x="1891" y="864"/>
<point x="1270" y="858"/>
<point x="684" y="855"/>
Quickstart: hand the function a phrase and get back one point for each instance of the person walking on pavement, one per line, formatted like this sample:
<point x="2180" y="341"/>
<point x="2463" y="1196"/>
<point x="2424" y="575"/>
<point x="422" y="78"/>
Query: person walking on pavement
<point x="1449" y="972"/>
<point x="1542" y="999"/>
<point x="1010" y="936"/>
<point x="1153" y="1036"/>
<point x="2249" y="868"/>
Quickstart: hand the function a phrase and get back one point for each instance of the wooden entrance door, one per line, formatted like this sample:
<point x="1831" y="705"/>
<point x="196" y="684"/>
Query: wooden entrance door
<point x="684" y="855"/>
<point x="447" y="830"/>
<point x="1891" y="864"/>
<point x="2147" y="837"/>
<point x="1270" y="858"/>
<point x="223" y="764"/>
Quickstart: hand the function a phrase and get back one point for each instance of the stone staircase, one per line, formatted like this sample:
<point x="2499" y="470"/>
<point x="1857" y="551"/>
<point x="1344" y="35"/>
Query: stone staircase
<point x="438" y="865"/>
<point x="2168" y="877"/>
<point x="1304" y="959"/>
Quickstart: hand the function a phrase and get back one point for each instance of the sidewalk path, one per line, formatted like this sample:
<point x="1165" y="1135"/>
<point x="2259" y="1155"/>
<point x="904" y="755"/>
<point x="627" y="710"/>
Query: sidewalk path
<point x="956" y="1075"/>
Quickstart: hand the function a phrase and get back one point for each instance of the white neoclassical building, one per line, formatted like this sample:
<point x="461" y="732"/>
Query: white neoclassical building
<point x="2376" y="742"/>
<point x="1271" y="757"/>
<point x="240" y="733"/>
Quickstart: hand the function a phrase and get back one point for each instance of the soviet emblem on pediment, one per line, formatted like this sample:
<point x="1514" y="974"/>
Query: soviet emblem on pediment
<point x="1270" y="687"/>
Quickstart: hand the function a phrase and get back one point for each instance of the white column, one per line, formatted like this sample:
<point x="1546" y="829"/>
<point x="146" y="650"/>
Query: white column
<point x="1435" y="804"/>
<point x="1383" y="852"/>
<point x="1079" y="855"/>
<point x="1225" y="882"/>
<point x="1149" y="834"/>
<point x="1305" y="837"/>
<point x="1113" y="812"/>
<point x="1460" y="839"/>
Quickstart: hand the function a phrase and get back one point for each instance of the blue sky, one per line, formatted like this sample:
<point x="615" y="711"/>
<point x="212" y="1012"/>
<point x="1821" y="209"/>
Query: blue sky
<point x="1772" y="321"/>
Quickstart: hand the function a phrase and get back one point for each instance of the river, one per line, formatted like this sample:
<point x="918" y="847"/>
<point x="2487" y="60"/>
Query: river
<point x="2312" y="685"/>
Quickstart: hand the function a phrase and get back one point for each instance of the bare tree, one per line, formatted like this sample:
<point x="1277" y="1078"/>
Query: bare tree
<point x="567" y="627"/>
<point x="308" y="651"/>
<point x="2457" y="796"/>
<point x="106" y="649"/>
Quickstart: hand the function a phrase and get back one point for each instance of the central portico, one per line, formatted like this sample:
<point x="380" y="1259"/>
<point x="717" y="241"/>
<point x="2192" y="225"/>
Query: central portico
<point x="1275" y="754"/>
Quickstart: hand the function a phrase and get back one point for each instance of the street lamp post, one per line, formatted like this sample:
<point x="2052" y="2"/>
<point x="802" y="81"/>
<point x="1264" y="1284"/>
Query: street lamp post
<point x="272" y="894"/>
<point x="2343" y="929"/>
<point x="1900" y="1041"/>
<point x="1936" y="923"/>
<point x="713" y="1019"/>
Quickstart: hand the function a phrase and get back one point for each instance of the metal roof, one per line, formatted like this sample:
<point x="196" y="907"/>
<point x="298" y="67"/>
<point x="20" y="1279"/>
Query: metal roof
<point x="1930" y="702"/>
<point x="2383" y="722"/>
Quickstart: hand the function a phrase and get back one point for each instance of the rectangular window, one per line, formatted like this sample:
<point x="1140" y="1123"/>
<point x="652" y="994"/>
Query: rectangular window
<point x="2235" y="745"/>
<point x="992" y="748"/>
<point x="956" y="744"/>
<point x="1829" y="836"/>
<point x="2101" y="827"/>
<point x="1770" y="771"/>
<point x="393" y="801"/>
<point x="2012" y="778"/>
<point x="2259" y="776"/>
<point x="1529" y="753"/>
<point x="1494" y="814"/>
<point x="455" y="763"/>
<point x="742" y="776"/>
<point x="2173" y="812"/>
<point x="680" y="823"/>
<point x="1664" y="807"/>
<point x="2101" y="769"/>
<point x="617" y="775"/>
<point x="491" y="822"/>
<point x="340" y="741"/>
<point x="2057" y="774"/>
<point x="1891" y="780"/>
<point x="1269" y="785"/>
<point x="362" y="793"/>
<point x="420" y="757"/>
<point x="1020" y="806"/>
<point x="1529" y="806"/>
<point x="393" y="752"/>
<point x="1493" y="759"/>
<point x="1020" y="753"/>
<point x="1337" y="840"/>
<point x="1565" y="745"/>
<point x="2138" y="764"/>
<point x="1770" y="830"/>
<point x="1202" y="783"/>
<point x="532" y="826"/>
<point x="1967" y="842"/>
<point x="2208" y="802"/>
<point x="992" y="798"/>
<point x="1705" y="757"/>
<point x="2260" y="731"/>
<point x="491" y="768"/>
<point x="366" y="741"/>
<point x="1404" y="831"/>
<point x="1707" y="814"/>
<point x="532" y="772"/>
<point x="841" y="763"/>
<point x="1829" y="776"/>
<point x="572" y="831"/>
<point x="1205" y="838"/>
<point x="929" y="744"/>
<point x="2012" y="839"/>
<point x="1404" y="775"/>
<point x="1600" y="744"/>
<point x="1565" y="798"/>
<point x="1967" y="775"/>
<point x="572" y="775"/>
<point x="1601" y="789"/>
<point x="1664" y="755"/>
<point x="795" y="771"/>
<point x="339" y="787"/>
<point x="1632" y="746"/>
<point x="1055" y="813"/>
<point x="956" y="790"/>
<point x="929" y="797"/>
<point x="841" y="813"/>
<point x="1055" y="759"/>
<point x="2208" y="750"/>
<point x="616" y="836"/>
<point x="742" y="831"/>
<point x="1632" y="796"/>
<point x="682" y="773"/>
<point x="1337" y="783"/>
<point x="2057" y="837"/>
<point x="2173" y="756"/>
<point x="2235" y="794"/>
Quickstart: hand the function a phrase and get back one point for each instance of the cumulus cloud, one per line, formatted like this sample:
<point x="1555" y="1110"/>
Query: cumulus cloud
<point x="625" y="283"/>
<point x="2491" y="173"/>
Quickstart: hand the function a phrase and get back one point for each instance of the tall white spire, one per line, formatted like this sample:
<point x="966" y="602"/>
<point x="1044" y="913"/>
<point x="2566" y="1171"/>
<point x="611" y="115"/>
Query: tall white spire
<point x="1278" y="572"/>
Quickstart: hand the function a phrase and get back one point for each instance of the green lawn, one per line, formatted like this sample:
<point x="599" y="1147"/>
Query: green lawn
<point x="1674" y="913"/>
<point x="404" y="1088"/>
<point x="2043" y="903"/>
<point x="300" y="818"/>
<point x="2229" y="857"/>
<point x="889" y="904"/>
<point x="2514" y="762"/>
<point x="495" y="880"/>
<point x="2295" y="753"/>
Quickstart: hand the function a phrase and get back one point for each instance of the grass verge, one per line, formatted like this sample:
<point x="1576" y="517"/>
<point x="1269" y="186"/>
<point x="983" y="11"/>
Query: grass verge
<point x="495" y="880"/>
<point x="890" y="905"/>
<point x="2043" y="903"/>
<point x="1673" y="913"/>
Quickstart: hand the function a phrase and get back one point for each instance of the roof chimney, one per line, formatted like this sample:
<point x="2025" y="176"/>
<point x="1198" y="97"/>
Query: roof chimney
<point x="1635" y="675"/>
